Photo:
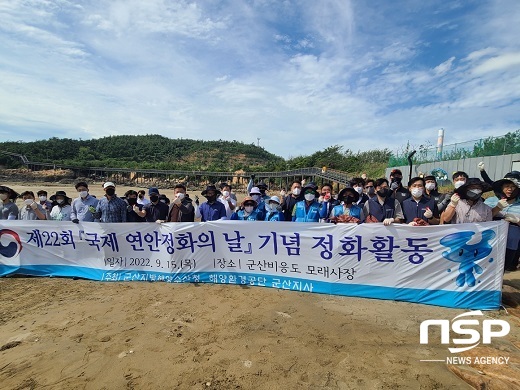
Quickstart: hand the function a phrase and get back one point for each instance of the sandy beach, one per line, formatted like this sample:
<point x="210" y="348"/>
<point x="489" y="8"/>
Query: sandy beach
<point x="76" y="334"/>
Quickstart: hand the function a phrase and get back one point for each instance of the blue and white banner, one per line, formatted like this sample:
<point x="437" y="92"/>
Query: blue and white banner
<point x="450" y="265"/>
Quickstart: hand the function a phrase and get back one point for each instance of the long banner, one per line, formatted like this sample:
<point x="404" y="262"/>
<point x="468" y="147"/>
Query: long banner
<point x="450" y="265"/>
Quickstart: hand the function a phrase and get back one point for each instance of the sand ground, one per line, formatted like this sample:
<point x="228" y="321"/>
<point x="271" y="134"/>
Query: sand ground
<point x="77" y="334"/>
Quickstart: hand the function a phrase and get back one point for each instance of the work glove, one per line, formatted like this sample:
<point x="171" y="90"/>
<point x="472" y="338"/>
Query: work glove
<point x="428" y="213"/>
<point x="454" y="200"/>
<point x="481" y="166"/>
<point x="412" y="223"/>
<point x="512" y="218"/>
<point x="502" y="204"/>
<point x="388" y="221"/>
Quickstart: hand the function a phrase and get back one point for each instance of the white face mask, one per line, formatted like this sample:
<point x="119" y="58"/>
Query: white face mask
<point x="180" y="195"/>
<point x="273" y="207"/>
<point x="417" y="192"/>
<point x="28" y="202"/>
<point x="42" y="198"/>
<point x="296" y="191"/>
<point x="430" y="186"/>
<point x="225" y="193"/>
<point x="3" y="196"/>
<point x="459" y="183"/>
<point x="83" y="194"/>
<point x="249" y="209"/>
<point x="359" y="190"/>
<point x="60" y="201"/>
<point x="309" y="197"/>
<point x="256" y="198"/>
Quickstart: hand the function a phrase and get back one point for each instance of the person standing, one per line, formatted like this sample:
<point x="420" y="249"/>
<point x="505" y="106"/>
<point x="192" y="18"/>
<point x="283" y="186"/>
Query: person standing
<point x="155" y="211"/>
<point x="348" y="197"/>
<point x="466" y="204"/>
<point x="31" y="210"/>
<point x="419" y="205"/>
<point x="84" y="206"/>
<point x="141" y="199"/>
<point x="43" y="201"/>
<point x="111" y="208"/>
<point x="358" y="184"/>
<point x="308" y="210"/>
<point x="396" y="186"/>
<point x="382" y="207"/>
<point x="133" y="209"/>
<point x="9" y="208"/>
<point x="290" y="200"/>
<point x="247" y="212"/>
<point x="273" y="212"/>
<point x="211" y="210"/>
<point x="181" y="209"/>
<point x="227" y="200"/>
<point x="62" y="209"/>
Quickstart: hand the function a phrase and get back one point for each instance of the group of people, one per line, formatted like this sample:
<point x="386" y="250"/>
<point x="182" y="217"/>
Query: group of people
<point x="362" y="201"/>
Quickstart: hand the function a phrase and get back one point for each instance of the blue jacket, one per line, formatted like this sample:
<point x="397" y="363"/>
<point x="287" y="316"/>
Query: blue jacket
<point x="302" y="213"/>
<point x="355" y="211"/>
<point x="274" y="216"/>
<point x="240" y="216"/>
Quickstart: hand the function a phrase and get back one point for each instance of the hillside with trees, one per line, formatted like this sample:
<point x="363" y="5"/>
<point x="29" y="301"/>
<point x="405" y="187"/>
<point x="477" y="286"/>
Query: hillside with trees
<point x="158" y="152"/>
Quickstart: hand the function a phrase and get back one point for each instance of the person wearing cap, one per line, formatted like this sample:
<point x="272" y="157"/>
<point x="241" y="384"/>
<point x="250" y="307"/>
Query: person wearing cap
<point x="133" y="209"/>
<point x="31" y="210"/>
<point x="227" y="200"/>
<point x="327" y="200"/>
<point x="256" y="194"/>
<point x="290" y="200"/>
<point x="247" y="212"/>
<point x="111" y="208"/>
<point x="61" y="209"/>
<point x="273" y="210"/>
<point x="309" y="209"/>
<point x="419" y="205"/>
<point x="84" y="206"/>
<point x="508" y="208"/>
<point x="9" y="208"/>
<point x="382" y="207"/>
<point x="43" y="201"/>
<point x="348" y="197"/>
<point x="358" y="184"/>
<point x="466" y="204"/>
<point x="396" y="186"/>
<point x="155" y="211"/>
<point x="211" y="210"/>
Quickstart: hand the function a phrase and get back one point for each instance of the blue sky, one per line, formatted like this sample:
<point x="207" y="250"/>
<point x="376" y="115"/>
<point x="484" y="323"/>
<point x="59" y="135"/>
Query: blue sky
<point x="299" y="75"/>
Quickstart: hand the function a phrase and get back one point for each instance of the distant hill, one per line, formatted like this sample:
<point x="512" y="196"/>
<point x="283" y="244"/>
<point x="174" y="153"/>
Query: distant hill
<point x="146" y="151"/>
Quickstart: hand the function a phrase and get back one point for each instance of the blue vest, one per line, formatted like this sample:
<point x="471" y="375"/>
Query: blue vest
<point x="274" y="216"/>
<point x="312" y="215"/>
<point x="251" y="217"/>
<point x="355" y="211"/>
<point x="260" y="210"/>
<point x="412" y="209"/>
<point x="380" y="212"/>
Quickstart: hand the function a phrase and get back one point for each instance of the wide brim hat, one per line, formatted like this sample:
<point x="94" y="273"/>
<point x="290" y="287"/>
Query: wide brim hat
<point x="311" y="186"/>
<point x="511" y="177"/>
<point x="248" y="199"/>
<point x="12" y="194"/>
<point x="273" y="199"/>
<point x="354" y="192"/>
<point x="62" y="193"/>
<point x="462" y="190"/>
<point x="211" y="188"/>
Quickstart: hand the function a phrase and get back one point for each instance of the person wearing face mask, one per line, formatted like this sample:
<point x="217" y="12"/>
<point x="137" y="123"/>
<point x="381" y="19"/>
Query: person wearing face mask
<point x="398" y="191"/>
<point x="181" y="209"/>
<point x="84" y="206"/>
<point x="466" y="204"/>
<point x="256" y="194"/>
<point x="382" y="207"/>
<point x="226" y="199"/>
<point x="507" y="207"/>
<point x="61" y="209"/>
<point x="309" y="209"/>
<point x="291" y="199"/>
<point x="111" y="208"/>
<point x="419" y="205"/>
<point x="261" y="186"/>
<point x="43" y="201"/>
<point x="155" y="211"/>
<point x="141" y="198"/>
<point x="133" y="209"/>
<point x="458" y="178"/>
<point x="370" y="190"/>
<point x="348" y="197"/>
<point x="211" y="210"/>
<point x="31" y="210"/>
<point x="247" y="212"/>
<point x="327" y="200"/>
<point x="273" y="210"/>
<point x="358" y="184"/>
<point x="9" y="208"/>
